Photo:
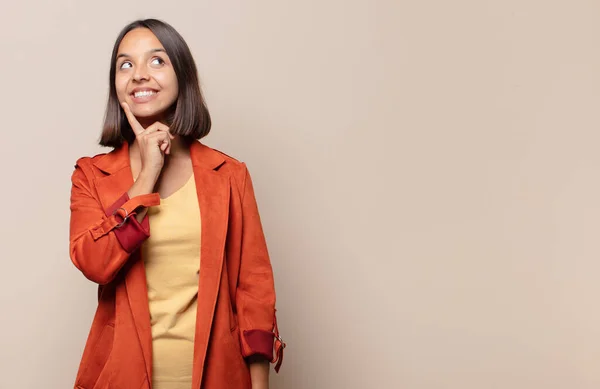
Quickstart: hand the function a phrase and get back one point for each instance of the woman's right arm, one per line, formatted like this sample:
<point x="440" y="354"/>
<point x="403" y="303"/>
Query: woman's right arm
<point x="100" y="243"/>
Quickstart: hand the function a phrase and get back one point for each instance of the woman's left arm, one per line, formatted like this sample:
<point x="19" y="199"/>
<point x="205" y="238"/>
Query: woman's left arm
<point x="255" y="295"/>
<point x="259" y="372"/>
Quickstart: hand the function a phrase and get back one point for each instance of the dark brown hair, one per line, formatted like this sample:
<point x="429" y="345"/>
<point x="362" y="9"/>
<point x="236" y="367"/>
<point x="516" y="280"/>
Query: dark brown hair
<point x="188" y="117"/>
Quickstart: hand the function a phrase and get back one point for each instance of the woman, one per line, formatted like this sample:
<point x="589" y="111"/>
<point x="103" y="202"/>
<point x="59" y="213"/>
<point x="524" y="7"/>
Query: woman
<point x="169" y="228"/>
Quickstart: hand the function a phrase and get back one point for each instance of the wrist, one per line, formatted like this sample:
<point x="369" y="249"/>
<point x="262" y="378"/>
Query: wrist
<point x="149" y="176"/>
<point x="144" y="183"/>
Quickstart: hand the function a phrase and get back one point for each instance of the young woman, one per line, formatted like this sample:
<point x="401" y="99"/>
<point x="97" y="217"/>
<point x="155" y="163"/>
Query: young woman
<point x="169" y="228"/>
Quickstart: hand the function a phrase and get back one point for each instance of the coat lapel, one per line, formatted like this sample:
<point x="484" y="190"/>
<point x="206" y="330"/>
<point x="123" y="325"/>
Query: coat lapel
<point x="213" y="190"/>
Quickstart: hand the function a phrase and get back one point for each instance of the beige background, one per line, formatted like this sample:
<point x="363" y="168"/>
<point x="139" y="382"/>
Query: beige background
<point x="427" y="172"/>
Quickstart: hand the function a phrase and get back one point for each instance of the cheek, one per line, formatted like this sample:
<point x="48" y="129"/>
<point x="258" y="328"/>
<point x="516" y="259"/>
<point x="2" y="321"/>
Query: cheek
<point x="168" y="81"/>
<point x="175" y="90"/>
<point x="121" y="86"/>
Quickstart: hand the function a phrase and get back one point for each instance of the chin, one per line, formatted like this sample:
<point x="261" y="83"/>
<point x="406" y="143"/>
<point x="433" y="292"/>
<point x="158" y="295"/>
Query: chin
<point x="147" y="112"/>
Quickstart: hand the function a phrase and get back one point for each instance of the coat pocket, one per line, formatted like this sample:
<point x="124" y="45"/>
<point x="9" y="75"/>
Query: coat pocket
<point x="238" y="372"/>
<point x="95" y="366"/>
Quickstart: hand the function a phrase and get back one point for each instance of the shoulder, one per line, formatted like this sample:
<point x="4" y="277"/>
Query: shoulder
<point x="234" y="162"/>
<point x="86" y="161"/>
<point x="227" y="163"/>
<point x="84" y="166"/>
<point x="232" y="166"/>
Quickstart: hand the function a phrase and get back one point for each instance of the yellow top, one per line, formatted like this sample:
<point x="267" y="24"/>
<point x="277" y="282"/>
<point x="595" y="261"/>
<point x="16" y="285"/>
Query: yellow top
<point x="172" y="260"/>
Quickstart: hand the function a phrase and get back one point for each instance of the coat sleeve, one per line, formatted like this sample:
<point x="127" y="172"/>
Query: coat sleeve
<point x="101" y="242"/>
<point x="255" y="295"/>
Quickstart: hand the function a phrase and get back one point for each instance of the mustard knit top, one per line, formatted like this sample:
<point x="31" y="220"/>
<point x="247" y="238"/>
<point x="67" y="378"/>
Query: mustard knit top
<point x="172" y="261"/>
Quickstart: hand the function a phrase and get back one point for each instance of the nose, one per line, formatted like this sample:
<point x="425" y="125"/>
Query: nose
<point x="140" y="74"/>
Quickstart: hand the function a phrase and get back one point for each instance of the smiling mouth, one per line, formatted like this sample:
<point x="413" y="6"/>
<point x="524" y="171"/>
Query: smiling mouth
<point x="145" y="93"/>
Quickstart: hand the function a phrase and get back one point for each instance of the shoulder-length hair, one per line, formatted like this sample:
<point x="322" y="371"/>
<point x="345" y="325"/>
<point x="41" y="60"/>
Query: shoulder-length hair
<point x="188" y="117"/>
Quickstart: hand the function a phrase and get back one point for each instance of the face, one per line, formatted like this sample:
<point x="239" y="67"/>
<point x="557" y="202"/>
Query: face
<point x="144" y="76"/>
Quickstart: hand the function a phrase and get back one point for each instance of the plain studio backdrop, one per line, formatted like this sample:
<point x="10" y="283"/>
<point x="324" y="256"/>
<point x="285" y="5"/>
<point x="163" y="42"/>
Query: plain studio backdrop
<point x="426" y="172"/>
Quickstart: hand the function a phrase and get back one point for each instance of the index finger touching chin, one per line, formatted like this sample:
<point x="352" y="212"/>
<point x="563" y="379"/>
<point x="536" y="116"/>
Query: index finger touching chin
<point x="135" y="125"/>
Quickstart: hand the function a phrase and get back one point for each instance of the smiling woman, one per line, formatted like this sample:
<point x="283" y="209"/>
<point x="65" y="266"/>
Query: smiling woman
<point x="192" y="304"/>
<point x="165" y="77"/>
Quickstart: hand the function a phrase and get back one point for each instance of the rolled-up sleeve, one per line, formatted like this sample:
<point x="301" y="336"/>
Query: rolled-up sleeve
<point x="255" y="296"/>
<point x="100" y="243"/>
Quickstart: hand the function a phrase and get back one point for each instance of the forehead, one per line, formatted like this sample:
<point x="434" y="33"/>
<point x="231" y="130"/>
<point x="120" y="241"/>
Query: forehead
<point x="139" y="40"/>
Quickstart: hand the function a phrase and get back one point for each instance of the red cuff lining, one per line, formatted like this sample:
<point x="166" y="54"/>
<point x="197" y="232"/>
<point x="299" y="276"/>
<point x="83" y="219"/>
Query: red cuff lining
<point x="131" y="234"/>
<point x="260" y="342"/>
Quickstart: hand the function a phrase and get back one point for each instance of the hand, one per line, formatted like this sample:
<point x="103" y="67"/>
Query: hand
<point x="154" y="142"/>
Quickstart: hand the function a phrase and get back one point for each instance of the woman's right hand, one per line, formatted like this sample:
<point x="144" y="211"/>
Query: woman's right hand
<point x="154" y="142"/>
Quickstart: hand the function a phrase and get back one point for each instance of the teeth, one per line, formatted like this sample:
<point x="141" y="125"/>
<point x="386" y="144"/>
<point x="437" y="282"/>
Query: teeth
<point x="144" y="93"/>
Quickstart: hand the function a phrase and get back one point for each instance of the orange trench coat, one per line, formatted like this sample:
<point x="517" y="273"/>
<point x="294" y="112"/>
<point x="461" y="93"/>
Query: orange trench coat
<point x="236" y="295"/>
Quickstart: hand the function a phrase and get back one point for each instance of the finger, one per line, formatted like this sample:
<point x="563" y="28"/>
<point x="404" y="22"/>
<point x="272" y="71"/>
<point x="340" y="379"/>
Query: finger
<point x="157" y="135"/>
<point x="135" y="125"/>
<point x="161" y="138"/>
<point x="167" y="146"/>
<point x="164" y="128"/>
<point x="164" y="144"/>
<point x="158" y="126"/>
<point x="152" y="129"/>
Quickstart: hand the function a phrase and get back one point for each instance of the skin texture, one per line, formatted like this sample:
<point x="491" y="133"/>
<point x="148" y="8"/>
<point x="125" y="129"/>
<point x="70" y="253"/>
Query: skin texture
<point x="160" y="162"/>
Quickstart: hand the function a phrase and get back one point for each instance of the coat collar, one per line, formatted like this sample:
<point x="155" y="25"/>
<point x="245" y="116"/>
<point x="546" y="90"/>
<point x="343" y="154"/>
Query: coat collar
<point x="202" y="156"/>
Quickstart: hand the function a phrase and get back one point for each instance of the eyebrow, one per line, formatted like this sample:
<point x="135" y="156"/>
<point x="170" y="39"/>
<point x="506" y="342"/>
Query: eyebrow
<point x="151" y="51"/>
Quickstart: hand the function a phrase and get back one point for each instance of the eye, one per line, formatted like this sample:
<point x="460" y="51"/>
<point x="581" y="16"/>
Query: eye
<point x="125" y="65"/>
<point x="157" y="61"/>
